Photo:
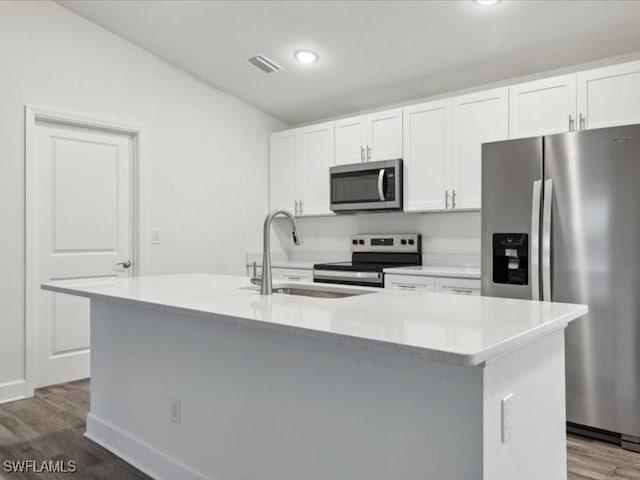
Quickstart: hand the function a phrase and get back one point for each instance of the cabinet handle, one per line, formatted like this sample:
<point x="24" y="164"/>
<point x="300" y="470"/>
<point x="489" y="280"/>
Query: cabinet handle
<point x="571" y="123"/>
<point x="361" y="153"/>
<point x="296" y="207"/>
<point x="446" y="199"/>
<point x="453" y="199"/>
<point x="467" y="291"/>
<point x="582" y="122"/>
<point x="406" y="286"/>
<point x="368" y="153"/>
<point x="292" y="277"/>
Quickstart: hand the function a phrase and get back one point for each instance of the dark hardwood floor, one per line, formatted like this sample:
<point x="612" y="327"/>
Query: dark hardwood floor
<point x="50" y="426"/>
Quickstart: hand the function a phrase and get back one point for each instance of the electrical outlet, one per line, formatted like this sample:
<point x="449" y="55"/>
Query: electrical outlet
<point x="507" y="418"/>
<point x="175" y="411"/>
<point x="155" y="237"/>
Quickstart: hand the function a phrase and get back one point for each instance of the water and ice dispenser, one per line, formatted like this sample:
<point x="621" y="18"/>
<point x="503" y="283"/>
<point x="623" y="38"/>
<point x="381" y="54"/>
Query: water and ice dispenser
<point x="511" y="258"/>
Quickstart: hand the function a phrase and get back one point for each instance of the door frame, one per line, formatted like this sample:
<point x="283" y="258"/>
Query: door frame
<point x="140" y="229"/>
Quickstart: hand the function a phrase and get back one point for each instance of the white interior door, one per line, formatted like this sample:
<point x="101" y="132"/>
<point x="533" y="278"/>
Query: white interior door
<point x="82" y="228"/>
<point x="351" y="140"/>
<point x="384" y="135"/>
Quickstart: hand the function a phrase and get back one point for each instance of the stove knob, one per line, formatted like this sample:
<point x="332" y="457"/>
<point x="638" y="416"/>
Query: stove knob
<point x="411" y="242"/>
<point x="361" y="242"/>
<point x="355" y="242"/>
<point x="403" y="242"/>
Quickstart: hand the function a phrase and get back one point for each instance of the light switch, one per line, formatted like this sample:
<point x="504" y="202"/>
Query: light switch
<point x="155" y="237"/>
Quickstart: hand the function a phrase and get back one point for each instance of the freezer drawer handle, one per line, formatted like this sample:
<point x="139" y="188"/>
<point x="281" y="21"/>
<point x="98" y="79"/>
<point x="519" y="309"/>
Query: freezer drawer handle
<point x="546" y="240"/>
<point x="535" y="240"/>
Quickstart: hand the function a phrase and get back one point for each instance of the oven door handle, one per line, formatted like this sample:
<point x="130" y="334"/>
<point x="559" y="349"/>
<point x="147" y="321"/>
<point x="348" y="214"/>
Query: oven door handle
<point x="381" y="185"/>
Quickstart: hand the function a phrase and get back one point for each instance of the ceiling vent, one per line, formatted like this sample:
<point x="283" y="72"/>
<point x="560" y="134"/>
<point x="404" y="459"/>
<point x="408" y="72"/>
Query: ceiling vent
<point x="265" y="64"/>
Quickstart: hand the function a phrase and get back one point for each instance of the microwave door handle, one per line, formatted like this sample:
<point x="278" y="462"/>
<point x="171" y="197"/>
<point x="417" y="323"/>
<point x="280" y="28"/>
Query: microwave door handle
<point x="381" y="184"/>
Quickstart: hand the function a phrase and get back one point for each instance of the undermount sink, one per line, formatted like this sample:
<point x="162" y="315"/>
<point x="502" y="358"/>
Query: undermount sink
<point x="317" y="291"/>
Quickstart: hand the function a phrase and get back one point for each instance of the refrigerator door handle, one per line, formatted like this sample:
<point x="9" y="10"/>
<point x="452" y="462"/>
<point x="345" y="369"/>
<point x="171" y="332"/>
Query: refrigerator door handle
<point x="546" y="240"/>
<point x="535" y="240"/>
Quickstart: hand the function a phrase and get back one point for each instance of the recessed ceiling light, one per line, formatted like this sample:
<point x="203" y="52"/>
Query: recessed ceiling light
<point x="486" y="2"/>
<point x="306" y="56"/>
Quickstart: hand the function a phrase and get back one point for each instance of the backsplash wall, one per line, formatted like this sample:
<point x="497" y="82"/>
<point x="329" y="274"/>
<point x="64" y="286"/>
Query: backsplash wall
<point x="451" y="238"/>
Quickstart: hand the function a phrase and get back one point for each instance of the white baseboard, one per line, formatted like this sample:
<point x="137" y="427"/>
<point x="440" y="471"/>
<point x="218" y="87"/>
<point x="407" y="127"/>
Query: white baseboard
<point x="11" y="391"/>
<point x="138" y="453"/>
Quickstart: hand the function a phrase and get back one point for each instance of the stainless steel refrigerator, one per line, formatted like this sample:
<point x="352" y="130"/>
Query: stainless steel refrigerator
<point x="561" y="222"/>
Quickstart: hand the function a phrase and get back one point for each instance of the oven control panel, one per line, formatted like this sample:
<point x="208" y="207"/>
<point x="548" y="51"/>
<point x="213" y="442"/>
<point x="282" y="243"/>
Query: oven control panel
<point x="392" y="243"/>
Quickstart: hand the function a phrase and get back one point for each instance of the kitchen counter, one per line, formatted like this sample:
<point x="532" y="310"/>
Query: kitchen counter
<point x="199" y="376"/>
<point x="437" y="271"/>
<point x="463" y="331"/>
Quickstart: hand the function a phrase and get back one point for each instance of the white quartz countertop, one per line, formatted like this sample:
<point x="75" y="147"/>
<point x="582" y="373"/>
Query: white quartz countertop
<point x="436" y="271"/>
<point x="456" y="329"/>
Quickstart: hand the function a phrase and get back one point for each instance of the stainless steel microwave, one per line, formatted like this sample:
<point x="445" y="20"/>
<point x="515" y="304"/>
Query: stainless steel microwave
<point x="366" y="186"/>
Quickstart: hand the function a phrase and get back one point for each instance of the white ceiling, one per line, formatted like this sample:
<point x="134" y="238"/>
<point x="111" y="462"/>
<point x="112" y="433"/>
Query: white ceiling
<point x="372" y="53"/>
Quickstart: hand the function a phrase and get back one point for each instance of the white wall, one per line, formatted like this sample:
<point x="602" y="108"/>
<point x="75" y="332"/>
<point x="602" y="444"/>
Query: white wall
<point x="207" y="150"/>
<point x="447" y="238"/>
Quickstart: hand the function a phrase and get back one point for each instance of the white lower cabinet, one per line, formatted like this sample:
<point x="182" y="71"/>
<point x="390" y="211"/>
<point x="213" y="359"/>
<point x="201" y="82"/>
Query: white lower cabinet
<point x="292" y="274"/>
<point x="284" y="274"/>
<point x="409" y="282"/>
<point x="457" y="286"/>
<point x="454" y="286"/>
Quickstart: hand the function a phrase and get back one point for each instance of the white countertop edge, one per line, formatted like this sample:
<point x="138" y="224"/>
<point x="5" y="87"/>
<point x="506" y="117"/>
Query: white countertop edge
<point x="452" y="358"/>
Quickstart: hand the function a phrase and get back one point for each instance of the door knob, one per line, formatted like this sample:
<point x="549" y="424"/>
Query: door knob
<point x="125" y="264"/>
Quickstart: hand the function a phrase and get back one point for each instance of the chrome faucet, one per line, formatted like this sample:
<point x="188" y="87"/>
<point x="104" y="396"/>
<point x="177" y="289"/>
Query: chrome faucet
<point x="266" y="286"/>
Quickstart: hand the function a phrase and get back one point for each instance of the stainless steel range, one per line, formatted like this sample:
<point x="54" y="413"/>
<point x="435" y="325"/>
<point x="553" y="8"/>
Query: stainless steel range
<point x="370" y="255"/>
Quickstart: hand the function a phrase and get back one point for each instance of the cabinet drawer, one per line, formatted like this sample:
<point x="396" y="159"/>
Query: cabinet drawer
<point x="458" y="286"/>
<point x="292" y="274"/>
<point x="409" y="282"/>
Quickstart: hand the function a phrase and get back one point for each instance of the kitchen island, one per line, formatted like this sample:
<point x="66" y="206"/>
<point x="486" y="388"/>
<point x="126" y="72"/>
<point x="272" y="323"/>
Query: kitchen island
<point x="199" y="376"/>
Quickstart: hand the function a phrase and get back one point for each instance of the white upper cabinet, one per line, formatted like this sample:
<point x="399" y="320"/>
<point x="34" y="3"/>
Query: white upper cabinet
<point x="609" y="96"/>
<point x="543" y="107"/>
<point x="283" y="151"/>
<point x="377" y="136"/>
<point x="312" y="169"/>
<point x="384" y="135"/>
<point x="477" y="118"/>
<point x="350" y="140"/>
<point x="427" y="155"/>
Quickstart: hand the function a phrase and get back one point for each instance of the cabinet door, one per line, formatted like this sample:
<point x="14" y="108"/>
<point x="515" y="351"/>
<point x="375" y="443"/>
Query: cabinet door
<point x="292" y="274"/>
<point x="477" y="118"/>
<point x="457" y="286"/>
<point x="543" y="107"/>
<point x="283" y="149"/>
<point x="427" y="154"/>
<point x="384" y="135"/>
<point x="408" y="282"/>
<point x="610" y="96"/>
<point x="312" y="177"/>
<point x="351" y="140"/>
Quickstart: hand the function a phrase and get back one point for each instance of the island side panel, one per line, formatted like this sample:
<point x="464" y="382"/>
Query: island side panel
<point x="257" y="404"/>
<point x="535" y="376"/>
